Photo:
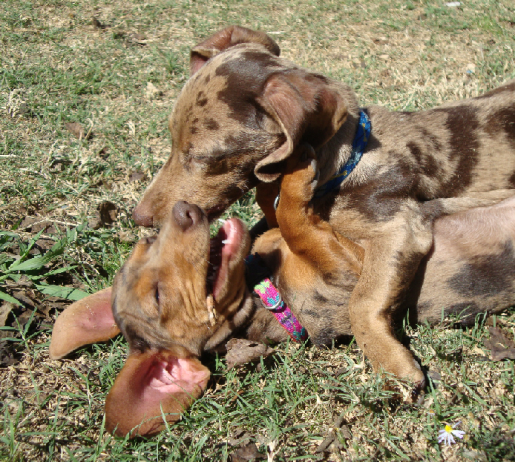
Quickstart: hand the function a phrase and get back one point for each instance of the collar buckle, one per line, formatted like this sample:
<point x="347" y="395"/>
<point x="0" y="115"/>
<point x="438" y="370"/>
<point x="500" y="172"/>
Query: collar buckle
<point x="276" y="305"/>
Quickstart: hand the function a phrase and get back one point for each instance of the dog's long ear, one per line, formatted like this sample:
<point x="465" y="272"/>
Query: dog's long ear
<point x="226" y="38"/>
<point x="87" y="321"/>
<point x="149" y="385"/>
<point x="306" y="108"/>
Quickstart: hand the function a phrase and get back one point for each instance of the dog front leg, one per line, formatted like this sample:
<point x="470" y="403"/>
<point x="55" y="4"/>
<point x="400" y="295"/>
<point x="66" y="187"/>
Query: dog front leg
<point x="266" y="193"/>
<point x="308" y="236"/>
<point x="391" y="260"/>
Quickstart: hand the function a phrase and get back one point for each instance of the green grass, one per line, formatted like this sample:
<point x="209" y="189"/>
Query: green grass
<point x="56" y="67"/>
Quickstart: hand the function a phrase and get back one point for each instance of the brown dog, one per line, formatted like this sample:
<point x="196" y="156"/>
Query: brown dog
<point x="245" y="110"/>
<point x="183" y="293"/>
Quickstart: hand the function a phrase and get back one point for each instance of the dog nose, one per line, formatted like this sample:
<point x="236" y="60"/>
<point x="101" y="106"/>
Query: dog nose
<point x="142" y="217"/>
<point x="186" y="215"/>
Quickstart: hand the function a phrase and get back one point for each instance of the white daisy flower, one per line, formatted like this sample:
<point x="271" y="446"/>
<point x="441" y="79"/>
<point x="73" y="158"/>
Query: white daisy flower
<point x="446" y="435"/>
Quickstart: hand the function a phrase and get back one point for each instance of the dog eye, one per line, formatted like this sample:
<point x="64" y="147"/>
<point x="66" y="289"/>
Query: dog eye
<point x="156" y="295"/>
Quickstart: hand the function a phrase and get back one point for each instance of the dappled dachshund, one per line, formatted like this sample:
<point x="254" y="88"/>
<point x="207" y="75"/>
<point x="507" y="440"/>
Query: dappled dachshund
<point x="182" y="293"/>
<point x="244" y="112"/>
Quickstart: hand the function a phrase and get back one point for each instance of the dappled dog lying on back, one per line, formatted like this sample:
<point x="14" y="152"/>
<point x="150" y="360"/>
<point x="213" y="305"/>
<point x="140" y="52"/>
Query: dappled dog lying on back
<point x="183" y="293"/>
<point x="245" y="110"/>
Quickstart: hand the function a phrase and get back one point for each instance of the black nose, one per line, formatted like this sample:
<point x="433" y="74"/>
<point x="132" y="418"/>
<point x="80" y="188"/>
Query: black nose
<point x="186" y="215"/>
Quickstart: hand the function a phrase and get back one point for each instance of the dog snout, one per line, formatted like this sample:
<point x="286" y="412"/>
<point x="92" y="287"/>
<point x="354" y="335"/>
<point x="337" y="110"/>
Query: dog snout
<point x="186" y="215"/>
<point x="142" y="216"/>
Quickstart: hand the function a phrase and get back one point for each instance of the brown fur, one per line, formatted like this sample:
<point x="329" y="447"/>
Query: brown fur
<point x="170" y="310"/>
<point x="315" y="269"/>
<point x="245" y="111"/>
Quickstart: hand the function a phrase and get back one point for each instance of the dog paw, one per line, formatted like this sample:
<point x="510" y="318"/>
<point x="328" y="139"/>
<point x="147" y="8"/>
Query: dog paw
<point x="406" y="391"/>
<point x="415" y="385"/>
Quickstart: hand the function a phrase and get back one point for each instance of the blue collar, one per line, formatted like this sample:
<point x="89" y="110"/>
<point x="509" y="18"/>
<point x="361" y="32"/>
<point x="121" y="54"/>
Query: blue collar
<point x="358" y="148"/>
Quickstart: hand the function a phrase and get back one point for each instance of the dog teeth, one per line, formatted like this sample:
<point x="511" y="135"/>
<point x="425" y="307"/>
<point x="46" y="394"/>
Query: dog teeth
<point x="168" y="376"/>
<point x="225" y="241"/>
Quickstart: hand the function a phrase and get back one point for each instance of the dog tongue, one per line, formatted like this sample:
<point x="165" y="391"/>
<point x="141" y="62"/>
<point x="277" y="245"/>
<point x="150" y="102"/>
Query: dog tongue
<point x="149" y="385"/>
<point x="230" y="235"/>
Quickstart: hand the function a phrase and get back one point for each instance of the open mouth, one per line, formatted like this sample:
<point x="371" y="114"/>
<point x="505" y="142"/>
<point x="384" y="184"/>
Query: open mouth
<point x="222" y="249"/>
<point x="214" y="212"/>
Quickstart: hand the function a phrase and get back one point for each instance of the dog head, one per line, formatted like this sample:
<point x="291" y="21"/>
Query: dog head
<point x="179" y="288"/>
<point x="235" y="122"/>
<point x="177" y="292"/>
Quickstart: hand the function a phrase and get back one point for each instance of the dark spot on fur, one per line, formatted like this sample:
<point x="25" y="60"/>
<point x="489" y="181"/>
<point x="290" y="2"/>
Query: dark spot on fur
<point x="319" y="298"/>
<point x="201" y="99"/>
<point x="193" y="129"/>
<point x="436" y="144"/>
<point x="207" y="79"/>
<point x="463" y="125"/>
<point x="187" y="158"/>
<point x="343" y="281"/>
<point x="429" y="165"/>
<point x="135" y="341"/>
<point x="188" y="114"/>
<point x="502" y="121"/>
<point x="311" y="313"/>
<point x="211" y="124"/>
<point x="488" y="274"/>
<point x="123" y="274"/>
<point x="322" y="329"/>
<point x="325" y="336"/>
<point x="381" y="199"/>
<point x="245" y="78"/>
<point x="512" y="180"/>
<point x="416" y="152"/>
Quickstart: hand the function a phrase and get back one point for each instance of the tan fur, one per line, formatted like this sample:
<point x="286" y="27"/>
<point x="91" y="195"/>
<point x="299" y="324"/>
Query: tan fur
<point x="245" y="111"/>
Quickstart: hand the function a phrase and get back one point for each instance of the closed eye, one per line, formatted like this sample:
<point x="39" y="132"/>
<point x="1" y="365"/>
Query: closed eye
<point x="156" y="297"/>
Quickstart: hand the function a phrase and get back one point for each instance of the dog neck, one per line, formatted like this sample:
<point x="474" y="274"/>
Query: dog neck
<point x="359" y="144"/>
<point x="341" y="142"/>
<point x="245" y="308"/>
<point x="251" y="321"/>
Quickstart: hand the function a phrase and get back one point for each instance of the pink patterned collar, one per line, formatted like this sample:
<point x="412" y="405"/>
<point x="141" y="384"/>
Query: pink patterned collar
<point x="271" y="298"/>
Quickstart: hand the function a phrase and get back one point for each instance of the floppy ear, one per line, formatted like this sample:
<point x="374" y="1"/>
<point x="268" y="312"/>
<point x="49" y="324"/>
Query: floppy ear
<point x="89" y="320"/>
<point x="227" y="38"/>
<point x="149" y="385"/>
<point x="306" y="107"/>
